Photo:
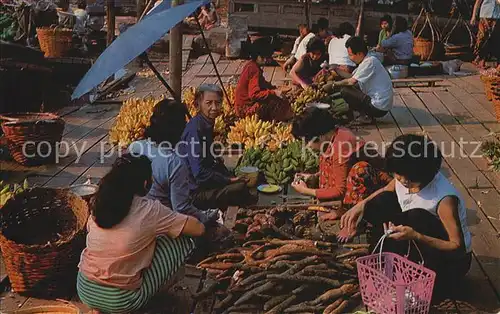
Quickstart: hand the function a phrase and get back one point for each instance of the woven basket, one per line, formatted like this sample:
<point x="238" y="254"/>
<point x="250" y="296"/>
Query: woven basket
<point x="50" y="309"/>
<point x="54" y="41"/>
<point x="42" y="234"/>
<point x="426" y="49"/>
<point x="496" y="103"/>
<point x="489" y="83"/>
<point x="32" y="137"/>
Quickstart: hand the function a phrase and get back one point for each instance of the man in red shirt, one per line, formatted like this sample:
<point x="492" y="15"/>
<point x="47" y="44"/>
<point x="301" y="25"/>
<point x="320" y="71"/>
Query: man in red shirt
<point x="255" y="95"/>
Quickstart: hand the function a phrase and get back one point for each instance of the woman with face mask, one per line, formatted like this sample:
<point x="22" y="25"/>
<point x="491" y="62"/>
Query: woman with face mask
<point x="419" y="205"/>
<point x="134" y="244"/>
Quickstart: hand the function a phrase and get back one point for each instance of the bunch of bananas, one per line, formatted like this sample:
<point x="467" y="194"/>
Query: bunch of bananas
<point x="324" y="77"/>
<point x="250" y="131"/>
<point x="132" y="120"/>
<point x="7" y="191"/>
<point x="188" y="99"/>
<point x="338" y="106"/>
<point x="308" y="95"/>
<point x="281" y="165"/>
<point x="281" y="135"/>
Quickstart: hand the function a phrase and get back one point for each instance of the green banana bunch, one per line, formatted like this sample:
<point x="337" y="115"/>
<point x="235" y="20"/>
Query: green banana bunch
<point x="7" y="191"/>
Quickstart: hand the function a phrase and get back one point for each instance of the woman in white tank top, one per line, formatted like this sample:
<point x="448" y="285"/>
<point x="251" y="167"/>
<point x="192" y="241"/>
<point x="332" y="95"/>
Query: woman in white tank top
<point x="420" y="204"/>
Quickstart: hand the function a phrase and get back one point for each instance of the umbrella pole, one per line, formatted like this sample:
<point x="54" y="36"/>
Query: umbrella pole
<point x="145" y="57"/>
<point x="212" y="60"/>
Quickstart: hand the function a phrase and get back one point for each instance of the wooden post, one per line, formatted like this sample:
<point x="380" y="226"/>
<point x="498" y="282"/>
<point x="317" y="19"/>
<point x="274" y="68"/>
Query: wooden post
<point x="307" y="4"/>
<point x="110" y="20"/>
<point x="175" y="55"/>
<point x="359" y="28"/>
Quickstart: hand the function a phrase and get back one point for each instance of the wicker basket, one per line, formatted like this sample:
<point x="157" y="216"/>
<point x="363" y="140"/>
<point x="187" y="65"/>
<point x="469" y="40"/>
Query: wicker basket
<point x="32" y="137"/>
<point x="489" y="83"/>
<point x="427" y="49"/>
<point x="496" y="102"/>
<point x="50" y="309"/>
<point x="54" y="41"/>
<point x="42" y="234"/>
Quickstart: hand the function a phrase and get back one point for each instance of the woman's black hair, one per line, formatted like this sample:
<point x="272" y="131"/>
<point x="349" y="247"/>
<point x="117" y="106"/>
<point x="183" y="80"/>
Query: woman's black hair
<point x="386" y="18"/>
<point x="415" y="157"/>
<point x="357" y="45"/>
<point x="322" y="23"/>
<point x="117" y="189"/>
<point x="167" y="122"/>
<point x="345" y="28"/>
<point x="316" y="44"/>
<point x="313" y="122"/>
<point x="261" y="47"/>
<point x="400" y="25"/>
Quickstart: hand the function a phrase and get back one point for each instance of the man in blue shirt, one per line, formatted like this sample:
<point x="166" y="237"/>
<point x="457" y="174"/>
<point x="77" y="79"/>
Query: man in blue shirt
<point x="213" y="185"/>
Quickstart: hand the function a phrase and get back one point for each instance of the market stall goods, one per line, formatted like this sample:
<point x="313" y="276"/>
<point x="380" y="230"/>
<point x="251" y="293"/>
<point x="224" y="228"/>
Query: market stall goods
<point x="284" y="276"/>
<point x="281" y="164"/>
<point x="132" y="120"/>
<point x="491" y="150"/>
<point x="306" y="96"/>
<point x="28" y="134"/>
<point x="7" y="191"/>
<point x="42" y="234"/>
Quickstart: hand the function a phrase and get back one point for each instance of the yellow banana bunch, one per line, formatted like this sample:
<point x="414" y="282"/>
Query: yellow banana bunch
<point x="132" y="120"/>
<point x="254" y="132"/>
<point x="7" y="191"/>
<point x="308" y="95"/>
<point x="188" y="99"/>
<point x="281" y="135"/>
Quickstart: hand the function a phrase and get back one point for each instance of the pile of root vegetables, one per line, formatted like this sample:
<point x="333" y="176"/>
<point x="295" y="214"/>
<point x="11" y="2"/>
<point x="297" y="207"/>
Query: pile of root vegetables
<point x="279" y="222"/>
<point x="285" y="276"/>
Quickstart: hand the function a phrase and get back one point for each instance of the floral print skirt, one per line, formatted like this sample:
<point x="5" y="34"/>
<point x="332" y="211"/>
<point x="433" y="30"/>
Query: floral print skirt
<point x="363" y="179"/>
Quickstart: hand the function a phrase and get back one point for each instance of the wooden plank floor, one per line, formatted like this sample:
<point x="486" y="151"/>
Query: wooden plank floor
<point x="454" y="113"/>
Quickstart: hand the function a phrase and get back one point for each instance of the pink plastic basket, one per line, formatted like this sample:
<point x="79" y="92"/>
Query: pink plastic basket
<point x="390" y="283"/>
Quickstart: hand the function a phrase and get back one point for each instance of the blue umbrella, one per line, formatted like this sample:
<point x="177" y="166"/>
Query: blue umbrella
<point x="133" y="43"/>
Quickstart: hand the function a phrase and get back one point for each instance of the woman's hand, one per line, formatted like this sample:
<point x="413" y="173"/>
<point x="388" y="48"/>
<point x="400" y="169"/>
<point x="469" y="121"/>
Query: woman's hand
<point x="351" y="219"/>
<point x="401" y="233"/>
<point x="301" y="187"/>
<point x="473" y="20"/>
<point x="302" y="176"/>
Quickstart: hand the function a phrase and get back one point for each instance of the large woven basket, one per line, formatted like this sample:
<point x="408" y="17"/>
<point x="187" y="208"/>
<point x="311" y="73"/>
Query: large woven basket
<point x="489" y="83"/>
<point x="496" y="102"/>
<point x="54" y="41"/>
<point x="42" y="234"/>
<point x="427" y="49"/>
<point x="50" y="309"/>
<point x="32" y="137"/>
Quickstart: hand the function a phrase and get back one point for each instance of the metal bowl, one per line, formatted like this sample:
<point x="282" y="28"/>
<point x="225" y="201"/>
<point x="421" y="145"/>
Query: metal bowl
<point x="318" y="105"/>
<point x="85" y="191"/>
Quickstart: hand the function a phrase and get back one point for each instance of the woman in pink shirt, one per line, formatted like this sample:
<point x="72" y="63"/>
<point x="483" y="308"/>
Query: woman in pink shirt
<point x="134" y="244"/>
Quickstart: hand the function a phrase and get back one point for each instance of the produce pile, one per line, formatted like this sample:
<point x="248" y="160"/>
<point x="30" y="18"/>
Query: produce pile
<point x="132" y="120"/>
<point x="302" y="97"/>
<point x="285" y="276"/>
<point x="8" y="191"/>
<point x="491" y="150"/>
<point x="279" y="166"/>
<point x="8" y="23"/>
<point x="253" y="132"/>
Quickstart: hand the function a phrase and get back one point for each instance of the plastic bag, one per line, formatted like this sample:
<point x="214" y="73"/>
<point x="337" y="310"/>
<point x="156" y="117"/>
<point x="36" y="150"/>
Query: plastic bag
<point x="451" y="66"/>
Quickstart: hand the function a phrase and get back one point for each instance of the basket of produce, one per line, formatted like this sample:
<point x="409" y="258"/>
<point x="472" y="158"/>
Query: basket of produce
<point x="490" y="80"/>
<point x="391" y="283"/>
<point x="32" y="137"/>
<point x="54" y="41"/>
<point x="42" y="234"/>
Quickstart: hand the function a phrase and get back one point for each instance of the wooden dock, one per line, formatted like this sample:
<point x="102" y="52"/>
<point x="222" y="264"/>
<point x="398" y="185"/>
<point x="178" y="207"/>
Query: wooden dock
<point x="454" y="112"/>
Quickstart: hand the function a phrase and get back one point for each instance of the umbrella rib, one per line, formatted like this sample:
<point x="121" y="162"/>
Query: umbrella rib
<point x="163" y="81"/>
<point x="212" y="59"/>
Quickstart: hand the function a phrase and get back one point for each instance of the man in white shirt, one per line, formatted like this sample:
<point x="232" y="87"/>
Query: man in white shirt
<point x="369" y="90"/>
<point x="300" y="46"/>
